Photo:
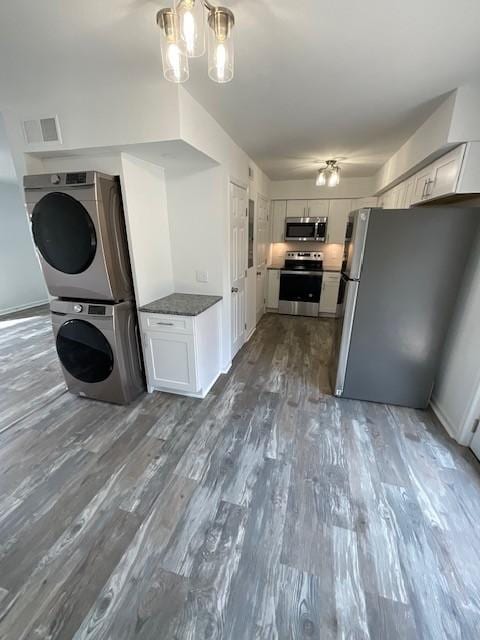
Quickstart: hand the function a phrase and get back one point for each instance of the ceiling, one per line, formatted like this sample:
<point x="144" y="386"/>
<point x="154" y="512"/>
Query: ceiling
<point x="315" y="79"/>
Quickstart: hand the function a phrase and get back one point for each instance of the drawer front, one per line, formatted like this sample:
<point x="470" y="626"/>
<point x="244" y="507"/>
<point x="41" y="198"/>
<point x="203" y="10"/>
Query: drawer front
<point x="331" y="278"/>
<point x="167" y="324"/>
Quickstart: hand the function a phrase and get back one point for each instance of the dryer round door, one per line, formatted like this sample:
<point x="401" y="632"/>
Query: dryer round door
<point x="84" y="351"/>
<point x="64" y="233"/>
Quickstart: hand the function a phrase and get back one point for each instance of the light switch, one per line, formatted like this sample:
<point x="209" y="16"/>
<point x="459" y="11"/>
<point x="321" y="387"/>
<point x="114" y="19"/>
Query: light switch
<point x="202" y="276"/>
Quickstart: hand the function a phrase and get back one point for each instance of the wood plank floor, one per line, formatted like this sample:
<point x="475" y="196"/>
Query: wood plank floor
<point x="269" y="510"/>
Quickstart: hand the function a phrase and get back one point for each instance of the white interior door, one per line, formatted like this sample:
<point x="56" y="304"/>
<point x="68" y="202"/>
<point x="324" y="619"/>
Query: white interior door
<point x="238" y="266"/>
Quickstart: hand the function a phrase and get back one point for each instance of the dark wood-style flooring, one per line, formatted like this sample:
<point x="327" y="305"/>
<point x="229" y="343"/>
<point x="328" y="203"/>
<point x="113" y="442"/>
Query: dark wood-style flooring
<point x="269" y="510"/>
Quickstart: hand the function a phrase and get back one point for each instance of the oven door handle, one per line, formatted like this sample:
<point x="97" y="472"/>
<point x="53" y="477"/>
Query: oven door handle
<point x="286" y="272"/>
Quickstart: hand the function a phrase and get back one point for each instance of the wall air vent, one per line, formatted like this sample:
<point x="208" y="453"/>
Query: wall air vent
<point x="42" y="131"/>
<point x="251" y="173"/>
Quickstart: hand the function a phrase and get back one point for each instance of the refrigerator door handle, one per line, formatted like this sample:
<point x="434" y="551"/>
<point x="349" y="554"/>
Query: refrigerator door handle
<point x="344" y="342"/>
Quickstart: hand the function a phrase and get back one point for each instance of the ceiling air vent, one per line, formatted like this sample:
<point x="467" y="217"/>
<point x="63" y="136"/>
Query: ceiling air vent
<point x="42" y="131"/>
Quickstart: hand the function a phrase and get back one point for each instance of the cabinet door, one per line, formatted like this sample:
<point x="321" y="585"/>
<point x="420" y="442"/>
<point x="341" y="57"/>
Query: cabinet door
<point x="317" y="208"/>
<point x="329" y="294"/>
<point x="297" y="208"/>
<point x="360" y="203"/>
<point x="279" y="213"/>
<point x="273" y="288"/>
<point x="409" y="187"/>
<point x="170" y="359"/>
<point x="260" y="291"/>
<point x="400" y="191"/>
<point x="445" y="172"/>
<point x="421" y="182"/>
<point x="389" y="199"/>
<point x="338" y="211"/>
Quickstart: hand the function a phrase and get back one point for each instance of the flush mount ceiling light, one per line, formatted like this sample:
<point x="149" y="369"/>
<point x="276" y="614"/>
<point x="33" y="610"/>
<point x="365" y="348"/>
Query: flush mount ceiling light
<point x="329" y="175"/>
<point x="183" y="30"/>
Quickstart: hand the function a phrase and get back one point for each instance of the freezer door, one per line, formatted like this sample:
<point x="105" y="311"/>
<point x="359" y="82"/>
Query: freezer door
<point x="355" y="246"/>
<point x="343" y="334"/>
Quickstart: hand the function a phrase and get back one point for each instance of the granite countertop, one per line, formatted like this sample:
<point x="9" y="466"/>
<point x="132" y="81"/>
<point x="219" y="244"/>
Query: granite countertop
<point x="181" y="304"/>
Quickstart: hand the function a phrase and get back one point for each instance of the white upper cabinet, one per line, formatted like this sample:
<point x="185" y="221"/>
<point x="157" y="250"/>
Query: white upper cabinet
<point x="317" y="208"/>
<point x="338" y="211"/>
<point x="422" y="180"/>
<point x="297" y="208"/>
<point x="279" y="213"/>
<point x="408" y="196"/>
<point x="361" y="203"/>
<point x="445" y="173"/>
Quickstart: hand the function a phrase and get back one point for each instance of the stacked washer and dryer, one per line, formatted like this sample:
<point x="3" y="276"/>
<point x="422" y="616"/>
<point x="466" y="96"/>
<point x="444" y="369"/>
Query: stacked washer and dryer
<point x="79" y="231"/>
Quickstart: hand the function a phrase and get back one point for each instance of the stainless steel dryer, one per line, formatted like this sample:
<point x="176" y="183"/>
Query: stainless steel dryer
<point x="79" y="231"/>
<point x="98" y="348"/>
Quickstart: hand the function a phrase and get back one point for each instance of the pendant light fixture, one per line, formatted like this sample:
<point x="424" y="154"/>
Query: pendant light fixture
<point x="183" y="36"/>
<point x="329" y="175"/>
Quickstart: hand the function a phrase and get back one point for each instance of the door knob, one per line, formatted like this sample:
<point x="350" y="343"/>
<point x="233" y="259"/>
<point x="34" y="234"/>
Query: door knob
<point x="234" y="289"/>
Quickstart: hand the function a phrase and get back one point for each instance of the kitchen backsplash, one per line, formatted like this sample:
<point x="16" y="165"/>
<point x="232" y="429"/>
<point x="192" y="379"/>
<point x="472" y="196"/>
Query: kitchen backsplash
<point x="332" y="253"/>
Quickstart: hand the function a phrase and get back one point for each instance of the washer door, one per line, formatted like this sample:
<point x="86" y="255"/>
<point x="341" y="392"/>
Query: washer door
<point x="64" y="233"/>
<point x="84" y="351"/>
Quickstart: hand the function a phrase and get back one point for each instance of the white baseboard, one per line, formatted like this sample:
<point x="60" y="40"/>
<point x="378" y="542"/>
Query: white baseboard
<point x="227" y="368"/>
<point x="22" y="307"/>
<point x="250" y="334"/>
<point x="443" y="419"/>
<point x="200" y="395"/>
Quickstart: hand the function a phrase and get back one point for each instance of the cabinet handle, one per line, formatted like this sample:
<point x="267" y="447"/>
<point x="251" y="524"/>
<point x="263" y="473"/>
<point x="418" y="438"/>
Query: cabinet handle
<point x="428" y="191"/>
<point x="166" y="324"/>
<point x="424" y="189"/>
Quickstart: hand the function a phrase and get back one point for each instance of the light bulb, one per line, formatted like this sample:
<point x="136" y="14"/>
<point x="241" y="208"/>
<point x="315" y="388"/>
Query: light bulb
<point x="321" y="180"/>
<point x="174" y="55"/>
<point x="334" y="177"/>
<point x="221" y="59"/>
<point x="220" y="45"/>
<point x="191" y="14"/>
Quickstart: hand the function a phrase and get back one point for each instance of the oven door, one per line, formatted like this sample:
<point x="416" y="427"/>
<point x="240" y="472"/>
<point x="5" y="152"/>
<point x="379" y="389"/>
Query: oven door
<point x="300" y="293"/>
<point x="300" y="229"/>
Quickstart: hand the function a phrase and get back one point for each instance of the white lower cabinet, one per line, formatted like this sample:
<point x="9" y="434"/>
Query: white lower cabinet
<point x="182" y="353"/>
<point x="171" y="361"/>
<point x="329" y="293"/>
<point x="273" y="288"/>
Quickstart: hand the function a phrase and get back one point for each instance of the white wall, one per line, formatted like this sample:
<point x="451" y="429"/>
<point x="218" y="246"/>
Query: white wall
<point x="146" y="217"/>
<point x="101" y="122"/>
<point x="307" y="190"/>
<point x="465" y="123"/>
<point x="453" y="122"/>
<point x="21" y="279"/>
<point x="428" y="140"/>
<point x="198" y="220"/>
<point x="459" y="374"/>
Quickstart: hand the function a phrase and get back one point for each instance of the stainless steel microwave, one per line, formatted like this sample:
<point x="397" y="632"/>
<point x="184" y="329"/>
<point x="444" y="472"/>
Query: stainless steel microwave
<point x="306" y="229"/>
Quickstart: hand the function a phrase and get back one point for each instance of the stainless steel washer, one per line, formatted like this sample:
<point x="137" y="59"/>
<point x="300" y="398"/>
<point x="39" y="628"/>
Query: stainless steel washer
<point x="98" y="348"/>
<point x="79" y="231"/>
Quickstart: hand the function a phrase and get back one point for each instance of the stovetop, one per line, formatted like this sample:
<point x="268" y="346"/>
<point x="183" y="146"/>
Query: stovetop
<point x="303" y="261"/>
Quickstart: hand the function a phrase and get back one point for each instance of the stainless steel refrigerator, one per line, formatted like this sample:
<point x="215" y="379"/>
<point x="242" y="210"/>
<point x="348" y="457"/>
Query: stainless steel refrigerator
<point x="402" y="273"/>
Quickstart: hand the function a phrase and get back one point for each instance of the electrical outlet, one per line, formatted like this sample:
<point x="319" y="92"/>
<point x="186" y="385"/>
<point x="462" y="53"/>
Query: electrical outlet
<point x="202" y="276"/>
